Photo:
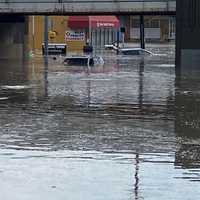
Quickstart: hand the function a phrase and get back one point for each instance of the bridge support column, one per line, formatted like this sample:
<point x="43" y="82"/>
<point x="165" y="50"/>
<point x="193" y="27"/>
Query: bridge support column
<point x="13" y="37"/>
<point x="46" y="36"/>
<point x="188" y="36"/>
<point x="142" y="34"/>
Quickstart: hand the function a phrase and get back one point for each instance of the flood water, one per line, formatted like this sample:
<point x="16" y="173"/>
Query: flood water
<point x="126" y="130"/>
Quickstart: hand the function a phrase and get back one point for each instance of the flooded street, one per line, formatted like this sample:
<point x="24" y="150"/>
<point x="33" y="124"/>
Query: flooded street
<point x="126" y="130"/>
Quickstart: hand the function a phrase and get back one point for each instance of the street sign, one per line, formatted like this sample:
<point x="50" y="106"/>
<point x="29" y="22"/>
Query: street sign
<point x="56" y="49"/>
<point x="74" y="35"/>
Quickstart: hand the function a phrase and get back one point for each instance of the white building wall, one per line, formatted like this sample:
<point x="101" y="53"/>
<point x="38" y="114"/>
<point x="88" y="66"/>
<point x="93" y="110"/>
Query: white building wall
<point x="150" y="33"/>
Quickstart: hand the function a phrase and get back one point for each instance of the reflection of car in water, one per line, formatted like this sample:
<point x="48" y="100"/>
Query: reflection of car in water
<point x="85" y="60"/>
<point x="135" y="52"/>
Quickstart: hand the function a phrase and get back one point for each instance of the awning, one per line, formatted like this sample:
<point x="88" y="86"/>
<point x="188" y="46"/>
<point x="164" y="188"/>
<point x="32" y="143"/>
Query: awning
<point x="79" y="22"/>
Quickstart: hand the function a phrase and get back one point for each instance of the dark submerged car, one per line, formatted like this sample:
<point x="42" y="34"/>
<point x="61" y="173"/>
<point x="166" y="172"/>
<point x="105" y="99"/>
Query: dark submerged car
<point x="83" y="60"/>
<point x="135" y="52"/>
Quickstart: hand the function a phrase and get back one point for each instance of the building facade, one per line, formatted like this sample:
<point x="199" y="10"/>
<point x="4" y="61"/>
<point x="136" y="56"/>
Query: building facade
<point x="56" y="27"/>
<point x="157" y="28"/>
<point x="75" y="31"/>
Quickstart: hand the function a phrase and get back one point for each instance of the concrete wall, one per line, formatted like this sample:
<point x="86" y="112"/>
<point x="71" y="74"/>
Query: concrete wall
<point x="13" y="36"/>
<point x="188" y="35"/>
<point x="85" y="6"/>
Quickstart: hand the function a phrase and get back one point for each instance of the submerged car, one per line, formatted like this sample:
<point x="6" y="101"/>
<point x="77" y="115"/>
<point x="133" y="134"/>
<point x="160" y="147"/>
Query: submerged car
<point x="83" y="60"/>
<point x="135" y="52"/>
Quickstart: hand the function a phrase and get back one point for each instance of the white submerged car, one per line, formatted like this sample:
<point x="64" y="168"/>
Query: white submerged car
<point x="134" y="51"/>
<point x="83" y="60"/>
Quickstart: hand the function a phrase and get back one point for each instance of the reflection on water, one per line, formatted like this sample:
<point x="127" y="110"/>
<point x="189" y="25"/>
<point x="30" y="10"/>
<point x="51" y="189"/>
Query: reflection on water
<point x="125" y="130"/>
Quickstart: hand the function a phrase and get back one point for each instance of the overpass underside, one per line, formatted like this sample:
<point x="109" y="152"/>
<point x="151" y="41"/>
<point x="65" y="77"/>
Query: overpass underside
<point x="75" y="7"/>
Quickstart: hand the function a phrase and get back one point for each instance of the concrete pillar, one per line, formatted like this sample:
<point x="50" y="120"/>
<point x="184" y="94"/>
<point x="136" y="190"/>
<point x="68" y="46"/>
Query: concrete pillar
<point x="188" y="36"/>
<point x="13" y="36"/>
<point x="142" y="34"/>
<point x="46" y="37"/>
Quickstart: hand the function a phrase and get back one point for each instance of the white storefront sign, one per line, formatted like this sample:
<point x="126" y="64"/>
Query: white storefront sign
<point x="105" y="24"/>
<point x="74" y="36"/>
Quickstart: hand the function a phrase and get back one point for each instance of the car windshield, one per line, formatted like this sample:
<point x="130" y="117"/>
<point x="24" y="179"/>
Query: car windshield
<point x="76" y="61"/>
<point x="79" y="61"/>
<point x="131" y="52"/>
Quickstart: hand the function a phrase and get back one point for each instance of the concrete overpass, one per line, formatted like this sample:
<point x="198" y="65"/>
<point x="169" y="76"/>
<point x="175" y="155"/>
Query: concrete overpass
<point x="70" y="7"/>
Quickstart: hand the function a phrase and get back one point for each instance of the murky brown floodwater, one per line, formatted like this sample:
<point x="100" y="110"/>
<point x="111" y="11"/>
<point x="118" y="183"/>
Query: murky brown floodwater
<point x="125" y="130"/>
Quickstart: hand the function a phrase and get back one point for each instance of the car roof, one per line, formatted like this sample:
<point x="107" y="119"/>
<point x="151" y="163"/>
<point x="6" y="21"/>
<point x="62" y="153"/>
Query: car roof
<point x="80" y="56"/>
<point x="129" y="48"/>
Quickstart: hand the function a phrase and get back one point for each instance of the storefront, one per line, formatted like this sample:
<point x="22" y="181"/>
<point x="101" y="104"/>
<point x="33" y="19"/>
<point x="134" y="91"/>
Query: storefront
<point x="152" y="28"/>
<point x="157" y="28"/>
<point x="98" y="30"/>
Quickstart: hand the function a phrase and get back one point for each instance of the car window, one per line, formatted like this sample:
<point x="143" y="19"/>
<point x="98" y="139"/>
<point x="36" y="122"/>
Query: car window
<point x="131" y="52"/>
<point x="76" y="61"/>
<point x="144" y="53"/>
